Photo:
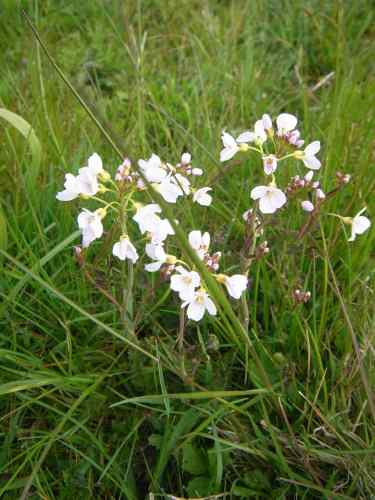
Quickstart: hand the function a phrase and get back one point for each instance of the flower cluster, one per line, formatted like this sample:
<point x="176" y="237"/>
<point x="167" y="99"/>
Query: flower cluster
<point x="172" y="182"/>
<point x="273" y="143"/>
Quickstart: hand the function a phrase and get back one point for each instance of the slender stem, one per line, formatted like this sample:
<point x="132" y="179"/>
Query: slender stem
<point x="181" y="331"/>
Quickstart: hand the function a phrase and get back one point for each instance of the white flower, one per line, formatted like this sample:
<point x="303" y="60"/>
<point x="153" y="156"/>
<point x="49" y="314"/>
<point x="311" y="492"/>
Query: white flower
<point x="359" y="224"/>
<point x="91" y="225"/>
<point x="72" y="188"/>
<point x="199" y="242"/>
<point x="124" y="249"/>
<point x="307" y="206"/>
<point x="198" y="305"/>
<point x="146" y="217"/>
<point x="270" y="198"/>
<point x="232" y="145"/>
<point x="185" y="283"/>
<point x="320" y="194"/>
<point x="155" y="252"/>
<point x="235" y="284"/>
<point x="169" y="190"/>
<point x="259" y="134"/>
<point x="285" y="123"/>
<point x="160" y="231"/>
<point x="153" y="169"/>
<point x="201" y="197"/>
<point x="269" y="164"/>
<point x="88" y="181"/>
<point x="308" y="156"/>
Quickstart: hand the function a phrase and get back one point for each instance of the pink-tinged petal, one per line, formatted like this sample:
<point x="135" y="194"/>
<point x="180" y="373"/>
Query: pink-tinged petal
<point x="258" y="192"/>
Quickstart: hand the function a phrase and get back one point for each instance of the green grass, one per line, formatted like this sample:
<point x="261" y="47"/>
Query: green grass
<point x="90" y="410"/>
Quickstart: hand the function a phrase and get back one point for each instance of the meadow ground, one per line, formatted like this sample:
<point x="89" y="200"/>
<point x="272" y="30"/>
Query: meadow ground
<point x="86" y="414"/>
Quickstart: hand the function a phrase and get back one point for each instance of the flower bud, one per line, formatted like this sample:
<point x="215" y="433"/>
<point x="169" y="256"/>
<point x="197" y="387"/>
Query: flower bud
<point x="104" y="176"/>
<point x="101" y="212"/>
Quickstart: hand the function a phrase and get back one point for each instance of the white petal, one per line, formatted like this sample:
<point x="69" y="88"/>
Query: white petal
<point x="312" y="162"/>
<point x="95" y="164"/>
<point x="236" y="285"/>
<point x="258" y="192"/>
<point x="206" y="239"/>
<point x="360" y="224"/>
<point x="307" y="206"/>
<point x="228" y="140"/>
<point x="210" y="306"/>
<point x="195" y="239"/>
<point x="195" y="311"/>
<point x="195" y="279"/>
<point x="66" y="195"/>
<point x="286" y="122"/>
<point x="259" y="131"/>
<point x="197" y="171"/>
<point x="246" y="137"/>
<point x="279" y="198"/>
<point x="228" y="153"/>
<point x="308" y="177"/>
<point x="117" y="251"/>
<point x="177" y="282"/>
<point x="153" y="266"/>
<point x="186" y="158"/>
<point x="201" y="196"/>
<point x="267" y="122"/>
<point x="312" y="149"/>
<point x="169" y="191"/>
<point x="266" y="205"/>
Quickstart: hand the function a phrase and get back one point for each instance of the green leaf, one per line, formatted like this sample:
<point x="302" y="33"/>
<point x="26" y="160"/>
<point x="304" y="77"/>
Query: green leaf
<point x="199" y="486"/>
<point x="27" y="131"/>
<point x="193" y="459"/>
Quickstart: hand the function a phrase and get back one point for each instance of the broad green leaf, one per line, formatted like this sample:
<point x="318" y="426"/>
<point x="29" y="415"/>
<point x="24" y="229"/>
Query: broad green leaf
<point x="193" y="460"/>
<point x="27" y="131"/>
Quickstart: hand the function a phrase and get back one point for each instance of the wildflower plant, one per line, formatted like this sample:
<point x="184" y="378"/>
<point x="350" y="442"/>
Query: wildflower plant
<point x="125" y="200"/>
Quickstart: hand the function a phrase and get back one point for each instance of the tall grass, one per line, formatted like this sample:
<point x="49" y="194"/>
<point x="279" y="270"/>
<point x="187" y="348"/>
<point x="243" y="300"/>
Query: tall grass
<point x="92" y="410"/>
